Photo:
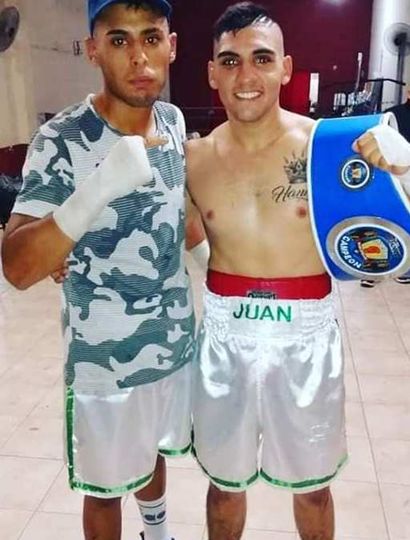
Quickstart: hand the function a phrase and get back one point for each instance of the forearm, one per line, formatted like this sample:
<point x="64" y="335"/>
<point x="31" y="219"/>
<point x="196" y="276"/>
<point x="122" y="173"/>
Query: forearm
<point x="33" y="251"/>
<point x="194" y="228"/>
<point x="194" y="232"/>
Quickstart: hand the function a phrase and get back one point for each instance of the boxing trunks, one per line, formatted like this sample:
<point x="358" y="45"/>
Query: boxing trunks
<point x="268" y="384"/>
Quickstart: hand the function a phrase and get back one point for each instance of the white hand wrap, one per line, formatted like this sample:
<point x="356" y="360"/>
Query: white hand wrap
<point x="201" y="253"/>
<point x="395" y="150"/>
<point x="393" y="146"/>
<point x="124" y="169"/>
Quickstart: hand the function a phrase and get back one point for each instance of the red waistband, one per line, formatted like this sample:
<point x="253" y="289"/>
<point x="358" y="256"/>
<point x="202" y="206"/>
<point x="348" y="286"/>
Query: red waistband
<point x="298" y="288"/>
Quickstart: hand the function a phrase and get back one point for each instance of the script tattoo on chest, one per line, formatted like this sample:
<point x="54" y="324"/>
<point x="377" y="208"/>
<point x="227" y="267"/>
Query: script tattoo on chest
<point x="295" y="169"/>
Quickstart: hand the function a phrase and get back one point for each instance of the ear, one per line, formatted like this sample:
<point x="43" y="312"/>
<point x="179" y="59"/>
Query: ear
<point x="91" y="50"/>
<point x="287" y="70"/>
<point x="173" y="39"/>
<point x="211" y="75"/>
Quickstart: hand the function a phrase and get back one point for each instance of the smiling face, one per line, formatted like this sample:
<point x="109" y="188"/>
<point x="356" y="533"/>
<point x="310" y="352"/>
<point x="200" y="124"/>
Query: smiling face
<point x="248" y="70"/>
<point x="133" y="48"/>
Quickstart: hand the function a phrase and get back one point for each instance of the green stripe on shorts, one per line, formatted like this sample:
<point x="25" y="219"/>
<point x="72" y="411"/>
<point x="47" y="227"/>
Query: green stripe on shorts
<point x="239" y="485"/>
<point x="175" y="453"/>
<point x="82" y="486"/>
<point x="69" y="411"/>
<point x="304" y="484"/>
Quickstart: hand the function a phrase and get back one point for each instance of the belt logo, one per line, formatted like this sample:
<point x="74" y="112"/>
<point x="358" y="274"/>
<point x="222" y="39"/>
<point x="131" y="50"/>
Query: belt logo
<point x="264" y="313"/>
<point x="370" y="249"/>
<point x="356" y="173"/>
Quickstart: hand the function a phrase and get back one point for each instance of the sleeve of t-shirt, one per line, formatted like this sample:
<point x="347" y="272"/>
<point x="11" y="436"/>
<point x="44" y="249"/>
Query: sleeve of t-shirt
<point x="47" y="176"/>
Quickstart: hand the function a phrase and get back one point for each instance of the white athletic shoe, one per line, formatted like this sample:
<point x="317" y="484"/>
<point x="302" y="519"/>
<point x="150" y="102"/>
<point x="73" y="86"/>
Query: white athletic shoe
<point x="142" y="536"/>
<point x="367" y="283"/>
<point x="402" y="279"/>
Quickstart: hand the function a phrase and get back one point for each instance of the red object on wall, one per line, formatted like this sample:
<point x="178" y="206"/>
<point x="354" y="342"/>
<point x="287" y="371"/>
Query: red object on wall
<point x="295" y="95"/>
<point x="12" y="159"/>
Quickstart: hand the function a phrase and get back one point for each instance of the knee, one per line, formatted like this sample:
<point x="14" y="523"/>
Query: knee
<point x="318" y="499"/>
<point x="224" y="498"/>
<point x="101" y="504"/>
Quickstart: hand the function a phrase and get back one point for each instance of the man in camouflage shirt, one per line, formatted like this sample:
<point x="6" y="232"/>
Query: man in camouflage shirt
<point x="104" y="188"/>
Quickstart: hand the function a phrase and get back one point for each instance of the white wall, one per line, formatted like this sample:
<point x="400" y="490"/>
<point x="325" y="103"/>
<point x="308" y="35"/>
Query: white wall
<point x="60" y="78"/>
<point x="382" y="62"/>
<point x="17" y="111"/>
<point x="39" y="73"/>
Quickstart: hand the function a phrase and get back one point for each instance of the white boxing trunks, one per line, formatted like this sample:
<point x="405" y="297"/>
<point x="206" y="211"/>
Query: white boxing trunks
<point x="113" y="439"/>
<point x="268" y="384"/>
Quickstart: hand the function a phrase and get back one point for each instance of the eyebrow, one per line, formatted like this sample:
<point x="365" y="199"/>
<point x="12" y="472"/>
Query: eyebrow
<point x="265" y="51"/>
<point x="146" y="32"/>
<point x="231" y="54"/>
<point x="116" y="32"/>
<point x="224" y="54"/>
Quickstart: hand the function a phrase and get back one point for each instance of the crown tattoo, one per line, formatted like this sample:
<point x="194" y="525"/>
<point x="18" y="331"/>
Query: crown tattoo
<point x="296" y="169"/>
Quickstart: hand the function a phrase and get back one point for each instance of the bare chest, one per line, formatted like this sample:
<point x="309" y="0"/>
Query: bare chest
<point x="254" y="195"/>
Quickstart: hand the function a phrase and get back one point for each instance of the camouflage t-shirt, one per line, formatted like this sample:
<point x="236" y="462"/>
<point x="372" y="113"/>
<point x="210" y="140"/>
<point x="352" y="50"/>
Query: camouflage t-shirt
<point x="127" y="307"/>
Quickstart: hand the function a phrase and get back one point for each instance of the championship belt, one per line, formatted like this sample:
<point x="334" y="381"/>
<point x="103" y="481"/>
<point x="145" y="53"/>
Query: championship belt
<point x="360" y="214"/>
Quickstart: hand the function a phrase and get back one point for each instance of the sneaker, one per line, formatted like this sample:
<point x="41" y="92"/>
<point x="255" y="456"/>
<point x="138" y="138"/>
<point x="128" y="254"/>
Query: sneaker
<point x="403" y="279"/>
<point x="367" y="283"/>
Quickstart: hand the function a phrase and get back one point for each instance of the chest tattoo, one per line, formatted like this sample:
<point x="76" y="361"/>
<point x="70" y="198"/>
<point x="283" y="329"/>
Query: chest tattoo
<point x="295" y="169"/>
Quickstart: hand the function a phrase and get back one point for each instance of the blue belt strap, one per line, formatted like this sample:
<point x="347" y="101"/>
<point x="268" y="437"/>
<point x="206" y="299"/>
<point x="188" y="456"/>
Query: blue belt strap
<point x="360" y="214"/>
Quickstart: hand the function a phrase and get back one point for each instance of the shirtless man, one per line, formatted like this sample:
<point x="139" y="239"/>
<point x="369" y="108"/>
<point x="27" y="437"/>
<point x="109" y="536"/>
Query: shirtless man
<point x="269" y="393"/>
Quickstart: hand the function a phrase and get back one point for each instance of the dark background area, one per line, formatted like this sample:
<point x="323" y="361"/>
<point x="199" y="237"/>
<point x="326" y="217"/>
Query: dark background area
<point x="322" y="36"/>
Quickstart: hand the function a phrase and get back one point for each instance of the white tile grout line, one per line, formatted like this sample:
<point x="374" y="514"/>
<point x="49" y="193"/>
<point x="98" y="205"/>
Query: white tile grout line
<point x="364" y="414"/>
<point x="36" y="510"/>
<point x="43" y="395"/>
<point x="386" y="522"/>
<point x="347" y="337"/>
<point x="395" y="321"/>
<point x="354" y="368"/>
<point x="371" y="445"/>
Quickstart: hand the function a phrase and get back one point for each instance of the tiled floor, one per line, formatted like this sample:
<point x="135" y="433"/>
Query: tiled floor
<point x="372" y="496"/>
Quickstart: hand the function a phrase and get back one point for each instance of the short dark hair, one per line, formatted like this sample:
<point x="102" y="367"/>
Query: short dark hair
<point x="239" y="16"/>
<point x="132" y="4"/>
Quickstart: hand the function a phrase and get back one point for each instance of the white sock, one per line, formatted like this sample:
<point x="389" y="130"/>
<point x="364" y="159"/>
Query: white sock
<point x="154" y="518"/>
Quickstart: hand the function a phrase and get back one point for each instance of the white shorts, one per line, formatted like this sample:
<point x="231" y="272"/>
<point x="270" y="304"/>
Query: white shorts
<point x="269" y="393"/>
<point x="113" y="440"/>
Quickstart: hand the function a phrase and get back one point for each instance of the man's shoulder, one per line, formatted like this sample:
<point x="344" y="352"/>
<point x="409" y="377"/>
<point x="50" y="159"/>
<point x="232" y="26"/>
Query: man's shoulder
<point x="198" y="149"/>
<point x="66" y="118"/>
<point x="71" y="120"/>
<point x="77" y="126"/>
<point x="199" y="156"/>
<point x="298" y="122"/>
<point x="394" y="108"/>
<point x="298" y="129"/>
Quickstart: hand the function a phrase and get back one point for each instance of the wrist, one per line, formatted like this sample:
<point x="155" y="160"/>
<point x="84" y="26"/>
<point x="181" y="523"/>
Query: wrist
<point x="76" y="215"/>
<point x="405" y="181"/>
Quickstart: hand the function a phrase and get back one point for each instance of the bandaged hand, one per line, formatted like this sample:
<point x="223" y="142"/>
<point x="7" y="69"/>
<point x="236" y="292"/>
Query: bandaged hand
<point x="384" y="147"/>
<point x="125" y="169"/>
